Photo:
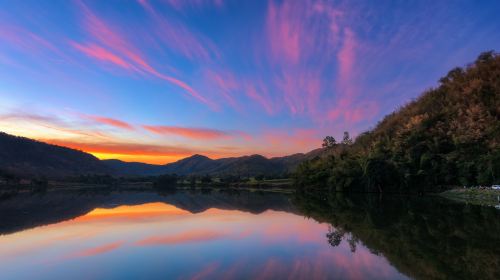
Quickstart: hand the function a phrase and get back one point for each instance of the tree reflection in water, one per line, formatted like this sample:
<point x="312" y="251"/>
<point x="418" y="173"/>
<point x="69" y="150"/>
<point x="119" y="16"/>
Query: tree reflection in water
<point x="424" y="237"/>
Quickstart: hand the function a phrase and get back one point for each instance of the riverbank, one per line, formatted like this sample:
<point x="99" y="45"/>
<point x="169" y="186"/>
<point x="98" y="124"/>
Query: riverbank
<point x="486" y="197"/>
<point x="274" y="186"/>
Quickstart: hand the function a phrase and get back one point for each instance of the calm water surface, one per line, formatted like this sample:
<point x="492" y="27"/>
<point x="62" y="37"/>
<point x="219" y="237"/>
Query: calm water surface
<point x="61" y="235"/>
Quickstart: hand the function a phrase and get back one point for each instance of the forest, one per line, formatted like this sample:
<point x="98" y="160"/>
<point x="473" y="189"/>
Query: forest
<point x="447" y="137"/>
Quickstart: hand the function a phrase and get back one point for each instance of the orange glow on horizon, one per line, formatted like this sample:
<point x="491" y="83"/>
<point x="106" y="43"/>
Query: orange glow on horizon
<point x="136" y="211"/>
<point x="159" y="159"/>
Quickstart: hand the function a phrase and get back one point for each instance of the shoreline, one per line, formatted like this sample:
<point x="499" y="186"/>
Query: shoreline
<point x="476" y="196"/>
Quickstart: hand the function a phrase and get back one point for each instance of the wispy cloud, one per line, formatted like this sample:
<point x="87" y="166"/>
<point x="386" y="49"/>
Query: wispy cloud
<point x="179" y="38"/>
<point x="112" y="122"/>
<point x="123" y="53"/>
<point x="26" y="40"/>
<point x="182" y="5"/>
<point x="48" y="123"/>
<point x="302" y="36"/>
<point x="97" y="250"/>
<point x="119" y="148"/>
<point x="182" y="238"/>
<point x="260" y="96"/>
<point x="100" y="53"/>
<point x="207" y="271"/>
<point x="193" y="133"/>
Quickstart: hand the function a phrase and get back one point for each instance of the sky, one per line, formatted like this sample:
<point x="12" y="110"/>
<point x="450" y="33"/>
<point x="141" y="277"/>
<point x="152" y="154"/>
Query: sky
<point x="157" y="81"/>
<point x="160" y="241"/>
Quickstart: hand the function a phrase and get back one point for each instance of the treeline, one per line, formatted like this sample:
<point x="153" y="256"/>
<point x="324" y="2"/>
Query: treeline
<point x="447" y="137"/>
<point x="175" y="180"/>
<point x="11" y="182"/>
<point x="424" y="238"/>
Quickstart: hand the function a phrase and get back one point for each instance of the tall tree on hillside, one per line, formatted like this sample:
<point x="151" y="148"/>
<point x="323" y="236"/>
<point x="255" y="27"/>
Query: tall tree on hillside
<point x="329" y="142"/>
<point x="347" y="140"/>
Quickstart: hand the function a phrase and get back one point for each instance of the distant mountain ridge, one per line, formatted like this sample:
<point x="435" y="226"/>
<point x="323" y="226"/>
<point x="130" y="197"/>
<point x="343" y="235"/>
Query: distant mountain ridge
<point x="26" y="157"/>
<point x="201" y="165"/>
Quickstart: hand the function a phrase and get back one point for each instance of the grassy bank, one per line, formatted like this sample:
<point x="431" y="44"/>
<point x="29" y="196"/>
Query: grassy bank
<point x="477" y="196"/>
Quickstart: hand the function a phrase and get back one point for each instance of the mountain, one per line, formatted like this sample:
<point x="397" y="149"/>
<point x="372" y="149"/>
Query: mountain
<point x="122" y="168"/>
<point x="201" y="165"/>
<point x="449" y="136"/>
<point x="26" y="157"/>
<point x="193" y="164"/>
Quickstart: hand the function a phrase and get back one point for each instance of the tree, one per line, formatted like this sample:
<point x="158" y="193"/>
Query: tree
<point x="334" y="236"/>
<point x="166" y="181"/>
<point x="347" y="140"/>
<point x="329" y="142"/>
<point x="206" y="179"/>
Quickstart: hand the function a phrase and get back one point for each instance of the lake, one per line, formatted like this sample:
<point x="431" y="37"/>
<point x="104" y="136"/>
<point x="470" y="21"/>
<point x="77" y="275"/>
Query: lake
<point x="244" y="235"/>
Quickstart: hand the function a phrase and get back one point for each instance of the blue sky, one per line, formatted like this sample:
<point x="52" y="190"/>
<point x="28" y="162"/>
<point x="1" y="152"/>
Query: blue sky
<point x="157" y="81"/>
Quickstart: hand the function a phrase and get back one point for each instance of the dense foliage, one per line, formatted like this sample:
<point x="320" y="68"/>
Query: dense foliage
<point x="424" y="238"/>
<point x="449" y="136"/>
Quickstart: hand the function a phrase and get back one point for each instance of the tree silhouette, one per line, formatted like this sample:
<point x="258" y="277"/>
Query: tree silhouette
<point x="334" y="236"/>
<point x="347" y="140"/>
<point x="329" y="142"/>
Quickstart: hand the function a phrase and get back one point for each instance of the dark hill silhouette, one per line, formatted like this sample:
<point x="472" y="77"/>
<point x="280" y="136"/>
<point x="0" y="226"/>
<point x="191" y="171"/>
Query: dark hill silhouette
<point x="202" y="165"/>
<point x="27" y="157"/>
<point x="30" y="158"/>
<point x="123" y="168"/>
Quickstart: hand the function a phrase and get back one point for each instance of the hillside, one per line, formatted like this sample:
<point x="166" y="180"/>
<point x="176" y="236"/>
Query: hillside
<point x="25" y="157"/>
<point x="122" y="168"/>
<point x="449" y="136"/>
<point x="202" y="165"/>
<point x="29" y="158"/>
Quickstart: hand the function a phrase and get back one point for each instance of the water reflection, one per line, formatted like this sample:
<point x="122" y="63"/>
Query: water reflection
<point x="423" y="237"/>
<point x="244" y="236"/>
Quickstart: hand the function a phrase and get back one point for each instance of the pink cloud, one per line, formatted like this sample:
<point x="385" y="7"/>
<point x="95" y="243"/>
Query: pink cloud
<point x="128" y="54"/>
<point x="112" y="122"/>
<point x="193" y="133"/>
<point x="205" y="272"/>
<point x="300" y="31"/>
<point x="347" y="58"/>
<point x="27" y="41"/>
<point x="291" y="140"/>
<point x="111" y="147"/>
<point x="181" y="5"/>
<point x="227" y="85"/>
<point x="260" y="96"/>
<point x="182" y="238"/>
<point x="301" y="90"/>
<point x="100" y="53"/>
<point x="179" y="38"/>
<point x="98" y="250"/>
<point x="302" y="38"/>
<point x="284" y="31"/>
<point x="347" y="107"/>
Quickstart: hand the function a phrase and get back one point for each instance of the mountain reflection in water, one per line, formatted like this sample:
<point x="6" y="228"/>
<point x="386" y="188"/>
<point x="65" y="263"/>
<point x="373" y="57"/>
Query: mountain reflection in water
<point x="241" y="235"/>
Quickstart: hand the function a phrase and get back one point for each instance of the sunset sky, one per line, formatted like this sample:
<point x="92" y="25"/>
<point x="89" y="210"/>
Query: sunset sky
<point x="156" y="81"/>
